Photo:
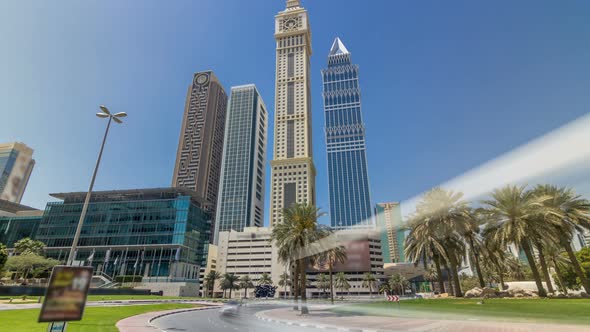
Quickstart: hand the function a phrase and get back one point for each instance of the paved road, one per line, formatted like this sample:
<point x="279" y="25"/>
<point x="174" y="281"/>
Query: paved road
<point x="212" y="321"/>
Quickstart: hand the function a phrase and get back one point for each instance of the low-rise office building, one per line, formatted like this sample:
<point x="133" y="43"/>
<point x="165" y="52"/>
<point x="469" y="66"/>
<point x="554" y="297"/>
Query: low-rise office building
<point x="248" y="253"/>
<point x="17" y="222"/>
<point x="159" y="235"/>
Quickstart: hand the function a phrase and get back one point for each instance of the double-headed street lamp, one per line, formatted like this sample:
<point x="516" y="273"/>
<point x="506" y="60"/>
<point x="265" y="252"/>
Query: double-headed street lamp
<point x="112" y="117"/>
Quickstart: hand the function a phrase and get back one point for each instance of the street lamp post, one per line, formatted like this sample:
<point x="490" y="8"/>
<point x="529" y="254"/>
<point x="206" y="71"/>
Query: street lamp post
<point x="112" y="117"/>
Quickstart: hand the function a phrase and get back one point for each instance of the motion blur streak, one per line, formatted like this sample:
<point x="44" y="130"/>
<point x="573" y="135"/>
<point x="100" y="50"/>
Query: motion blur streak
<point x="560" y="150"/>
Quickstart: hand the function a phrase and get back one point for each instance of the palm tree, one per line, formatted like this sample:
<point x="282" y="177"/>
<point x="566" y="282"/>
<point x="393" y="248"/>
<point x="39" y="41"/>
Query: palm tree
<point x="341" y="282"/>
<point x="384" y="288"/>
<point x="568" y="212"/>
<point x="437" y="229"/>
<point x="513" y="212"/>
<point x="558" y="262"/>
<point x="331" y="257"/>
<point x="245" y="283"/>
<point x="285" y="281"/>
<point x="292" y="237"/>
<point x="369" y="280"/>
<point x="210" y="279"/>
<point x="230" y="281"/>
<point x="399" y="283"/>
<point x="322" y="282"/>
<point x="265" y="279"/>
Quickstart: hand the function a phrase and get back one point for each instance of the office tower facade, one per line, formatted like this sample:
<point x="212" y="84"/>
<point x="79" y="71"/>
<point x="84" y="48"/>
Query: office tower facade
<point x="240" y="202"/>
<point x="200" y="147"/>
<point x="348" y="177"/>
<point x="16" y="165"/>
<point x="390" y="226"/>
<point x="292" y="169"/>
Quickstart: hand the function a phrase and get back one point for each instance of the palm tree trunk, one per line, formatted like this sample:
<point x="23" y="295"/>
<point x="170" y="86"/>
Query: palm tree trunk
<point x="331" y="284"/>
<point x="230" y="292"/>
<point x="450" y="279"/>
<point x="501" y="276"/>
<point x="544" y="268"/>
<point x="576" y="264"/>
<point x="441" y="283"/>
<point x="559" y="276"/>
<point x="370" y="290"/>
<point x="529" y="256"/>
<point x="303" y="288"/>
<point x="482" y="283"/>
<point x="245" y="293"/>
<point x="295" y="287"/>
<point x="455" y="269"/>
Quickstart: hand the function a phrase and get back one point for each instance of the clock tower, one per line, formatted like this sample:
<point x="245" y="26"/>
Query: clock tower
<point x="292" y="169"/>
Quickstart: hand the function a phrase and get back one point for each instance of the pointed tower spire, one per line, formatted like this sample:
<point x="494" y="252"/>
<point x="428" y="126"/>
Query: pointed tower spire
<point x="338" y="47"/>
<point x="293" y="4"/>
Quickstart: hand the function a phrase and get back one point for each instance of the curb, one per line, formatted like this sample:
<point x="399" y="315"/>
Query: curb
<point x="206" y="307"/>
<point x="261" y="316"/>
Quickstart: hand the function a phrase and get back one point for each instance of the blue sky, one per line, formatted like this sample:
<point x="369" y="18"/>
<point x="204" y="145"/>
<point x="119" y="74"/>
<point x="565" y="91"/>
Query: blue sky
<point x="447" y="85"/>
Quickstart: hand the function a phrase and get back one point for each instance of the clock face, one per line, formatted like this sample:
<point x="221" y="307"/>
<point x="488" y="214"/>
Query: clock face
<point x="202" y="79"/>
<point x="290" y="24"/>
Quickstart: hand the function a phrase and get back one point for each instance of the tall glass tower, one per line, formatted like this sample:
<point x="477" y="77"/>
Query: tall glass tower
<point x="350" y="199"/>
<point x="240" y="202"/>
<point x="16" y="165"/>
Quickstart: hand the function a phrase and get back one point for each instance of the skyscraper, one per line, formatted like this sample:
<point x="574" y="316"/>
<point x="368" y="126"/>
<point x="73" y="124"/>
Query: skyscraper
<point x="16" y="165"/>
<point x="200" y="147"/>
<point x="293" y="172"/>
<point x="348" y="178"/>
<point x="390" y="223"/>
<point x="241" y="190"/>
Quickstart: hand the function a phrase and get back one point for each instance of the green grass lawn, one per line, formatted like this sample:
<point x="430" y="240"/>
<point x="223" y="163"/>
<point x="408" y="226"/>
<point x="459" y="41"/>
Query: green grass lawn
<point x="96" y="319"/>
<point x="573" y="311"/>
<point x="34" y="299"/>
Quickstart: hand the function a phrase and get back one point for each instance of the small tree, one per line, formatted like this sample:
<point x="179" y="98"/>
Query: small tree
<point x="210" y="279"/>
<point x="29" y="246"/>
<point x="3" y="256"/>
<point x="245" y="283"/>
<point x="229" y="282"/>
<point x="284" y="281"/>
<point x="265" y="279"/>
<point x="23" y="264"/>
<point x="369" y="281"/>
<point x="322" y="282"/>
<point x="398" y="283"/>
<point x="384" y="288"/>
<point x="341" y="282"/>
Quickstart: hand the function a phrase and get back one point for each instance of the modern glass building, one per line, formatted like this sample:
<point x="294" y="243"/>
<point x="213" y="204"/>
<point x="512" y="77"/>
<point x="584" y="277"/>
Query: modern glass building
<point x="348" y="179"/>
<point x="16" y="165"/>
<point x="161" y="232"/>
<point x="17" y="227"/>
<point x="241" y="190"/>
<point x="390" y="225"/>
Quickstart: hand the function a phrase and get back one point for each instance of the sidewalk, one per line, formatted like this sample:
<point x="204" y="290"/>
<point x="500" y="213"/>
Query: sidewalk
<point x="110" y="303"/>
<point x="325" y="319"/>
<point x="142" y="323"/>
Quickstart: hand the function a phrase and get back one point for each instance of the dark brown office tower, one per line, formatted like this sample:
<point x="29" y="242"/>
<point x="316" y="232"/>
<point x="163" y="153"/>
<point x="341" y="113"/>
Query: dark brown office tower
<point x="200" y="147"/>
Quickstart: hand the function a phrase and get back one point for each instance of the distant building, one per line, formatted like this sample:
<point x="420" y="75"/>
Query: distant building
<point x="364" y="254"/>
<point x="390" y="223"/>
<point x="292" y="169"/>
<point x="160" y="234"/>
<point x="249" y="253"/>
<point x="241" y="191"/>
<point x="348" y="176"/>
<point x="16" y="165"/>
<point x="200" y="147"/>
<point x="17" y="222"/>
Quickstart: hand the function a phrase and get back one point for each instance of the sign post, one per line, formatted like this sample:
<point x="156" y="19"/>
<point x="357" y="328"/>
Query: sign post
<point x="65" y="297"/>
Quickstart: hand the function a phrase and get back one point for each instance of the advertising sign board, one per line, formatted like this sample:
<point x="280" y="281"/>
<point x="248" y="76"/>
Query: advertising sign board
<point x="65" y="297"/>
